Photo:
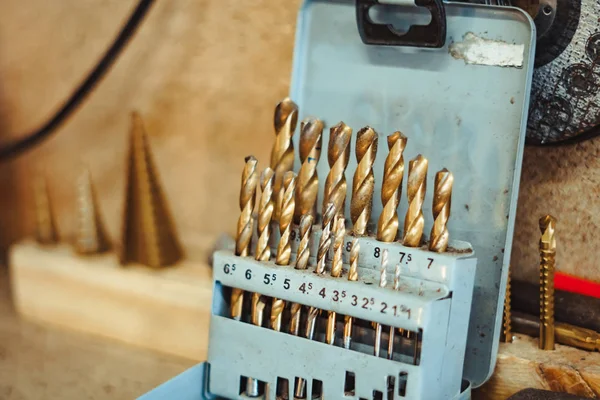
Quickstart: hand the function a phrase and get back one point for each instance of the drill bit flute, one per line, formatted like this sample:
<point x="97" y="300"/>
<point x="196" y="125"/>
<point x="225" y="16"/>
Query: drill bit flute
<point x="391" y="189"/>
<point x="414" y="221"/>
<point x="338" y="155"/>
<point x="382" y="284"/>
<point x="442" y="196"/>
<point x="302" y="257"/>
<point x="336" y="272"/>
<point x="352" y="276"/>
<point x="282" y="154"/>
<point x="244" y="227"/>
<point x="547" y="257"/>
<point x="307" y="186"/>
<point x="363" y="183"/>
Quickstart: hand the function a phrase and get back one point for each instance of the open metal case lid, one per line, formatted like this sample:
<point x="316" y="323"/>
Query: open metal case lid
<point x="460" y="95"/>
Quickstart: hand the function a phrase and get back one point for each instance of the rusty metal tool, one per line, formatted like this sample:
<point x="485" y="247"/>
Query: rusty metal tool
<point x="416" y="186"/>
<point x="363" y="183"/>
<point x="307" y="185"/>
<point x="442" y="199"/>
<point x="352" y="276"/>
<point x="339" y="233"/>
<point x="91" y="233"/>
<point x="391" y="188"/>
<point x="46" y="232"/>
<point x="338" y="155"/>
<point x="382" y="284"/>
<point x="547" y="248"/>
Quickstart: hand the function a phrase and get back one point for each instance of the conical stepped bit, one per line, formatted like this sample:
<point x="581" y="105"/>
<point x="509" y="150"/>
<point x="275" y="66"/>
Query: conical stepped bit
<point x="302" y="257"/>
<point x="442" y="198"/>
<point x="338" y="155"/>
<point x="547" y="258"/>
<point x="382" y="284"/>
<point x="336" y="272"/>
<point x="307" y="187"/>
<point x="414" y="221"/>
<point x="352" y="276"/>
<point x="244" y="227"/>
<point x="325" y="241"/>
<point x="91" y="234"/>
<point x="265" y="213"/>
<point x="282" y="154"/>
<point x="46" y="232"/>
<point x="363" y="183"/>
<point x="391" y="189"/>
<point x="507" y="323"/>
<point x="149" y="235"/>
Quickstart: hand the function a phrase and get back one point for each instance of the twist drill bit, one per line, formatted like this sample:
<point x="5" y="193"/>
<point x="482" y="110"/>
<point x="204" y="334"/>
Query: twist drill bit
<point x="507" y="324"/>
<point x="258" y="307"/>
<point x="282" y="154"/>
<point x="336" y="272"/>
<point x="302" y="257"/>
<point x="325" y="241"/>
<point x="307" y="186"/>
<point x="338" y="155"/>
<point x="547" y="255"/>
<point x="363" y="183"/>
<point x="392" y="329"/>
<point x="311" y="318"/>
<point x="265" y="213"/>
<point x="284" y="249"/>
<point x="46" y="232"/>
<point x="382" y="284"/>
<point x="352" y="276"/>
<point x="442" y="198"/>
<point x="391" y="189"/>
<point x="414" y="221"/>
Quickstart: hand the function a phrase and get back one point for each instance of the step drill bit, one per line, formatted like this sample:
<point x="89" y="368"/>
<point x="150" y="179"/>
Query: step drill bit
<point x="339" y="234"/>
<point x="282" y="154"/>
<point x="382" y="284"/>
<point x="244" y="227"/>
<point x="392" y="337"/>
<point x="507" y="323"/>
<point x="338" y="155"/>
<point x="391" y="188"/>
<point x="363" y="183"/>
<point x="302" y="257"/>
<point x="307" y="186"/>
<point x="414" y="221"/>
<point x="46" y="232"/>
<point x="352" y="276"/>
<point x="442" y="199"/>
<point x="284" y="251"/>
<point x="91" y="233"/>
<point x="547" y="248"/>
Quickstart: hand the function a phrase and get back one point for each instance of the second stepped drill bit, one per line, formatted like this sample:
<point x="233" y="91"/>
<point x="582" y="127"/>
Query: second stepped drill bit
<point x="46" y="232"/>
<point x="338" y="155"/>
<point x="442" y="198"/>
<point x="352" y="276"/>
<point x="414" y="221"/>
<point x="339" y="234"/>
<point x="302" y="257"/>
<point x="307" y="185"/>
<point x="325" y="240"/>
<point x="392" y="337"/>
<point x="547" y="248"/>
<point x="391" y="188"/>
<point x="363" y="183"/>
<point x="382" y="284"/>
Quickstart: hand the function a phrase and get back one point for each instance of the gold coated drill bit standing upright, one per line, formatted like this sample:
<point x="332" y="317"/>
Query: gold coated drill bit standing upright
<point x="352" y="276"/>
<point x="382" y="284"/>
<point x="547" y="258"/>
<point x="442" y="198"/>
<point x="307" y="186"/>
<point x="414" y="221"/>
<point x="91" y="234"/>
<point x="338" y="155"/>
<point x="46" y="232"/>
<point x="391" y="188"/>
<point x="325" y="240"/>
<point x="282" y="154"/>
<point x="302" y="256"/>
<point x="363" y="183"/>
<point x="339" y="233"/>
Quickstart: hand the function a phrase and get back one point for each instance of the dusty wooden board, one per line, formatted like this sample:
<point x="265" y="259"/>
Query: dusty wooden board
<point x="522" y="365"/>
<point x="164" y="310"/>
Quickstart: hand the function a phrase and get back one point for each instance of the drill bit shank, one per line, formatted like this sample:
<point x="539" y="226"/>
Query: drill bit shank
<point x="325" y="241"/>
<point x="382" y="284"/>
<point x="336" y="272"/>
<point x="391" y="189"/>
<point x="338" y="155"/>
<point x="352" y="276"/>
<point x="414" y="221"/>
<point x="392" y="329"/>
<point x="547" y="258"/>
<point x="442" y="196"/>
<point x="363" y="183"/>
<point x="307" y="187"/>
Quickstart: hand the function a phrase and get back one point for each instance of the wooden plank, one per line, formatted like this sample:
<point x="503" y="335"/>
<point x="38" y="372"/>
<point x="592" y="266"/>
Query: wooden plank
<point x="522" y="365"/>
<point x="165" y="310"/>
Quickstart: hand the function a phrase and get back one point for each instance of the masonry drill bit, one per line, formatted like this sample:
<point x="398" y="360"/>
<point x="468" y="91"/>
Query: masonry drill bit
<point x="507" y="323"/>
<point x="282" y="154"/>
<point x="339" y="233"/>
<point x="382" y="284"/>
<point x="307" y="186"/>
<point x="547" y="248"/>
<point x="390" y="353"/>
<point x="442" y="198"/>
<point x="265" y="214"/>
<point x="391" y="188"/>
<point x="352" y="276"/>
<point x="302" y="257"/>
<point x="46" y="232"/>
<point x="284" y="252"/>
<point x="338" y="155"/>
<point x="363" y="183"/>
<point x="325" y="240"/>
<point x="414" y="221"/>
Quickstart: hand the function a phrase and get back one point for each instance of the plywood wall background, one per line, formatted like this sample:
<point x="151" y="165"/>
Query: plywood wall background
<point x="205" y="75"/>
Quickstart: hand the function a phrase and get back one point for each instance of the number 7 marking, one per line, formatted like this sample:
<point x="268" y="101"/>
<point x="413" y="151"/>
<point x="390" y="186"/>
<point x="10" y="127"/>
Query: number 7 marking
<point x="430" y="262"/>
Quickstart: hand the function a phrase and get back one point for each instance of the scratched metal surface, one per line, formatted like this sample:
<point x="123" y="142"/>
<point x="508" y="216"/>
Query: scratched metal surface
<point x="470" y="119"/>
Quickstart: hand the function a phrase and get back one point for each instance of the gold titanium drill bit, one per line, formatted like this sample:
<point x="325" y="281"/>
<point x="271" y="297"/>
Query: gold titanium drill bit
<point x="338" y="155"/>
<point x="390" y="354"/>
<point x="363" y="183"/>
<point x="507" y="323"/>
<point x="339" y="233"/>
<point x="414" y="221"/>
<point x="282" y="154"/>
<point x="382" y="284"/>
<point x="547" y="255"/>
<point x="307" y="185"/>
<point x="391" y="189"/>
<point x="352" y="276"/>
<point x="284" y="251"/>
<point x="46" y="232"/>
<point x="442" y="199"/>
<point x="325" y="240"/>
<point x="302" y="257"/>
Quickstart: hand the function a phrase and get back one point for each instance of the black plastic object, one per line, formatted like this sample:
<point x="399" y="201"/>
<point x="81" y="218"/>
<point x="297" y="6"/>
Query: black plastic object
<point x="432" y="35"/>
<point x="537" y="394"/>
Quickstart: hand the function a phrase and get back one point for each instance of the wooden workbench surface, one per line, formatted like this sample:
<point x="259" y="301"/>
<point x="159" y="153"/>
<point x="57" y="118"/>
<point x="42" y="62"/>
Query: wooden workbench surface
<point x="45" y="363"/>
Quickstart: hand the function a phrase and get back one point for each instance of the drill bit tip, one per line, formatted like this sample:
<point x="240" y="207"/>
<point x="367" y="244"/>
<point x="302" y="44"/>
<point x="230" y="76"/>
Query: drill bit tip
<point x="363" y="183"/>
<point x="307" y="188"/>
<point x="547" y="227"/>
<point x="285" y="110"/>
<point x="338" y="155"/>
<point x="442" y="199"/>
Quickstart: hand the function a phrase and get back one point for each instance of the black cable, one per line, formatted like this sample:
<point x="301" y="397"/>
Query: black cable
<point x="19" y="146"/>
